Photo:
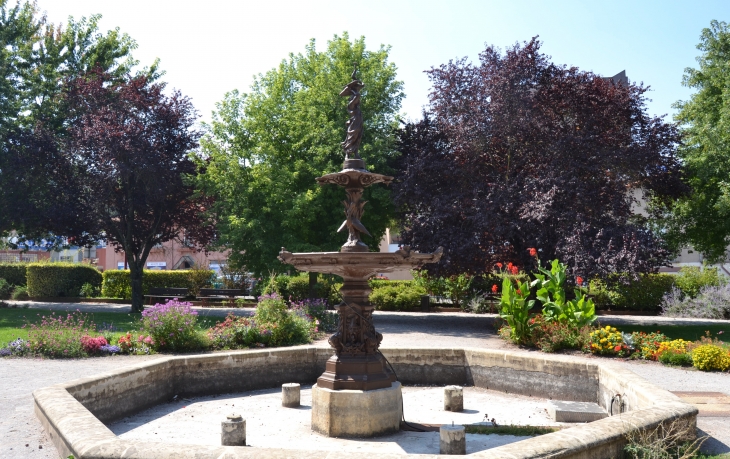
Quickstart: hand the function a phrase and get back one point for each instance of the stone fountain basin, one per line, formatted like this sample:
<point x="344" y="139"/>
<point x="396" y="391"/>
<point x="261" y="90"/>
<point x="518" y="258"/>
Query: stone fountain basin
<point x="74" y="413"/>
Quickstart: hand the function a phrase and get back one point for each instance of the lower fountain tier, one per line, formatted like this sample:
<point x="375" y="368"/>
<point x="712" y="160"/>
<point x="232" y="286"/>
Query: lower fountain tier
<point x="356" y="372"/>
<point x="358" y="265"/>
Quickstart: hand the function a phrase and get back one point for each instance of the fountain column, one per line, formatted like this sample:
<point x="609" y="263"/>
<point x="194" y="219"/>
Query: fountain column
<point x="357" y="395"/>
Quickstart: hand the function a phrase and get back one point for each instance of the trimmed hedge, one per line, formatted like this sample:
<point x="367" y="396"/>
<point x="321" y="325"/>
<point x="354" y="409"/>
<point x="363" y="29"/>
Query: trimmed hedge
<point x="116" y="282"/>
<point x="60" y="279"/>
<point x="397" y="297"/>
<point x="643" y="295"/>
<point x="379" y="283"/>
<point x="14" y="273"/>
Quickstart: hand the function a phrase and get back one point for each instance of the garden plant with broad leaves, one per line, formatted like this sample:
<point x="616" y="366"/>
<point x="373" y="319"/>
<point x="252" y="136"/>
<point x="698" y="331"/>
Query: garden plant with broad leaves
<point x="518" y="152"/>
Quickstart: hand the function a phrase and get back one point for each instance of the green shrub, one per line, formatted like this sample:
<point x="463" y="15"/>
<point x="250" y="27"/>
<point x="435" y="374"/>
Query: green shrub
<point x="711" y="357"/>
<point x="278" y="284"/>
<point x="679" y="359"/>
<point x="554" y="336"/>
<point x="458" y="288"/>
<point x="434" y="286"/>
<point x="398" y="297"/>
<point x="172" y="326"/>
<point x="5" y="289"/>
<point x="281" y="327"/>
<point x="691" y="279"/>
<point x="89" y="291"/>
<point x="116" y="282"/>
<point x="644" y="294"/>
<point x="20" y="293"/>
<point x="59" y="336"/>
<point x="316" y="310"/>
<point x="14" y="273"/>
<point x="234" y="333"/>
<point x="60" y="279"/>
<point x="296" y="288"/>
<point x="200" y="278"/>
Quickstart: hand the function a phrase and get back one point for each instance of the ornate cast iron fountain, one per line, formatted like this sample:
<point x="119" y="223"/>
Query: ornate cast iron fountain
<point x="357" y="363"/>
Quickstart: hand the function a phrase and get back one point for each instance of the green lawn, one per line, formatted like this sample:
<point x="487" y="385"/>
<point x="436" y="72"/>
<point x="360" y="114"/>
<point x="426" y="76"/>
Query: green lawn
<point x="686" y="332"/>
<point x="13" y="319"/>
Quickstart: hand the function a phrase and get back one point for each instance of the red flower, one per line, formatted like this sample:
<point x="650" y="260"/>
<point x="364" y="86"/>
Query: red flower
<point x="617" y="348"/>
<point x="579" y="280"/>
<point x="494" y="288"/>
<point x="519" y="292"/>
<point x="513" y="270"/>
<point x="499" y="265"/>
<point x="533" y="251"/>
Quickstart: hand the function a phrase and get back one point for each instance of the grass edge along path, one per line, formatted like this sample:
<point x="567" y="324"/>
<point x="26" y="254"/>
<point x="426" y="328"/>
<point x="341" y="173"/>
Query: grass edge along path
<point x="686" y="332"/>
<point x="12" y="321"/>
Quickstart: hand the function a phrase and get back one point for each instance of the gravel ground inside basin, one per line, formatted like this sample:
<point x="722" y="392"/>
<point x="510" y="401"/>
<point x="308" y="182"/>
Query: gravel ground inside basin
<point x="269" y="425"/>
<point x="20" y="377"/>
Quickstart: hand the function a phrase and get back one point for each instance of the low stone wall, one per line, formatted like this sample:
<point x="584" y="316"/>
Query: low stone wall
<point x="74" y="413"/>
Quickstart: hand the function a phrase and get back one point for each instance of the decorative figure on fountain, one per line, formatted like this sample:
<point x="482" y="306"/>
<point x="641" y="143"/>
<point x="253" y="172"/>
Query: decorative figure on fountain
<point x="353" y="214"/>
<point x="351" y="145"/>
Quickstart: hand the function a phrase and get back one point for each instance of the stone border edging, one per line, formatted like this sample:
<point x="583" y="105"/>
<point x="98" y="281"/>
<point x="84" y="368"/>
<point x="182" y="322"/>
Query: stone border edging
<point x="71" y="412"/>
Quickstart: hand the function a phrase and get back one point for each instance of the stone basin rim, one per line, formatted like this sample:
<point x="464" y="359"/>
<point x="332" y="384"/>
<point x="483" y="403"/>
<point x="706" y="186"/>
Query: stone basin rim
<point x="65" y="410"/>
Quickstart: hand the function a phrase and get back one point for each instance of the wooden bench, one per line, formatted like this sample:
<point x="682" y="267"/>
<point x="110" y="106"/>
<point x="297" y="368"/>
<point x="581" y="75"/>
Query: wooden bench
<point x="209" y="296"/>
<point x="157" y="294"/>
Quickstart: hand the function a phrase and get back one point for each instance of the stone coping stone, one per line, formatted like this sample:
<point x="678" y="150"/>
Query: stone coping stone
<point x="564" y="411"/>
<point x="71" y="412"/>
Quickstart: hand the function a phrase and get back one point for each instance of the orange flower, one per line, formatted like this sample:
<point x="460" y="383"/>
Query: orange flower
<point x="499" y="265"/>
<point x="617" y="348"/>
<point x="533" y="251"/>
<point x="494" y="288"/>
<point x="513" y="270"/>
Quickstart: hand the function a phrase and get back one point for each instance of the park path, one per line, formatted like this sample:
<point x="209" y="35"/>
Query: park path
<point x="20" y="377"/>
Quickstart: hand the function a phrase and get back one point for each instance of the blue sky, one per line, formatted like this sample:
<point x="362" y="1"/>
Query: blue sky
<point x="214" y="46"/>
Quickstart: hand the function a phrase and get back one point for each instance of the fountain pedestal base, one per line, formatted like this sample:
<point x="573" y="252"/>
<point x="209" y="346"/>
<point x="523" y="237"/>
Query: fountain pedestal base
<point x="355" y="372"/>
<point x="357" y="413"/>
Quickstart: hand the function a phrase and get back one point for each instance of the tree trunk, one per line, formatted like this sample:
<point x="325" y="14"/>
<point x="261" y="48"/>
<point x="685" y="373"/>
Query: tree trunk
<point x="312" y="285"/>
<point x="135" y="280"/>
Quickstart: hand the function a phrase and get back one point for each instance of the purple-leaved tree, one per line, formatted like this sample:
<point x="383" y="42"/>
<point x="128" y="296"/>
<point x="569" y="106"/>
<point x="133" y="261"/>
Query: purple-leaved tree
<point x="517" y="152"/>
<point x="129" y="146"/>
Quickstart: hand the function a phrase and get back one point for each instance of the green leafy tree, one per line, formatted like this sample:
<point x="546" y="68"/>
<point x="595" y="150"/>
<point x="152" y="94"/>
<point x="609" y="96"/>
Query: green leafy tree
<point x="703" y="218"/>
<point x="265" y="149"/>
<point x="36" y="59"/>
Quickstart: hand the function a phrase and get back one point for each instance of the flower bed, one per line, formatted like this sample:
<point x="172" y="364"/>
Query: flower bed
<point x="568" y="324"/>
<point x="173" y="327"/>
